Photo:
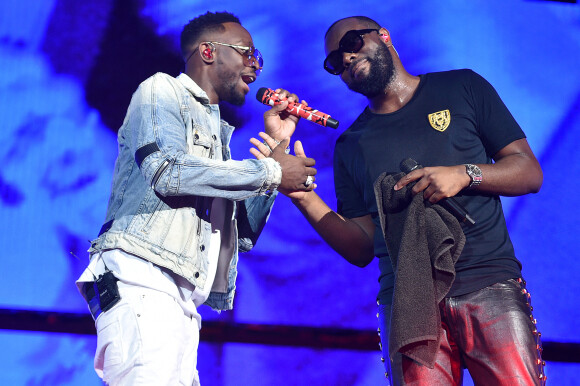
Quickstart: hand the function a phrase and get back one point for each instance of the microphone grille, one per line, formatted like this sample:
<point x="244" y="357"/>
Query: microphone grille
<point x="260" y="94"/>
<point x="408" y="165"/>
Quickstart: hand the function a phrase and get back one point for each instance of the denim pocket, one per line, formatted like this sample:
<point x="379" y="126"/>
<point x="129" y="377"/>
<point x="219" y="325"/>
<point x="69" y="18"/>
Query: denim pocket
<point x="202" y="143"/>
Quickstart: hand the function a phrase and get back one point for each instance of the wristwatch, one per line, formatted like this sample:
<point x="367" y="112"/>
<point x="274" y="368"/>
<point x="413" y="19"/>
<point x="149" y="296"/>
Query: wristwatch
<point x="474" y="172"/>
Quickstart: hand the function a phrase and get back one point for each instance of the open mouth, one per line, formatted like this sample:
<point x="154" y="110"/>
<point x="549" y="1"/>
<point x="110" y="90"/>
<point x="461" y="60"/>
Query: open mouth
<point x="248" y="79"/>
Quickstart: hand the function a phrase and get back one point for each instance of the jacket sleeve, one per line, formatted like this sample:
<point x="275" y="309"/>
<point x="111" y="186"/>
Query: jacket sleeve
<point x="253" y="214"/>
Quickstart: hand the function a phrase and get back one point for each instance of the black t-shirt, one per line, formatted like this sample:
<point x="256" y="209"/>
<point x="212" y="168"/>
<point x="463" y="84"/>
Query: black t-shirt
<point x="480" y="125"/>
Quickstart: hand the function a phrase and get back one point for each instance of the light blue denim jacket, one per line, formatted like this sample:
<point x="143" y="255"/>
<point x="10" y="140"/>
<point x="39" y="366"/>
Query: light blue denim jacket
<point x="166" y="176"/>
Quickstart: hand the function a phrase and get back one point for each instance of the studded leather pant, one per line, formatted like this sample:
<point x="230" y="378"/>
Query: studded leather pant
<point x="491" y="332"/>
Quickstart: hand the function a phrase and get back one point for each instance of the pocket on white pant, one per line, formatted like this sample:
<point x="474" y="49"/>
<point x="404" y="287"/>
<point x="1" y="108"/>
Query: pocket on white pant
<point x="109" y="351"/>
<point x="118" y="339"/>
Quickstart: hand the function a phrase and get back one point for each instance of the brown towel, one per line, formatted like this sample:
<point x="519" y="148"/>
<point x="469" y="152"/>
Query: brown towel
<point x="424" y="242"/>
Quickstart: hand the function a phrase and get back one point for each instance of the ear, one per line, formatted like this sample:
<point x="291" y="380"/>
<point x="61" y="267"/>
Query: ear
<point x="385" y="36"/>
<point x="206" y="50"/>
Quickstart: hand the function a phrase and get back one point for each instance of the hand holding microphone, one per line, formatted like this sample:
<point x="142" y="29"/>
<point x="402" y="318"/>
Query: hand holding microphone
<point x="453" y="206"/>
<point x="270" y="98"/>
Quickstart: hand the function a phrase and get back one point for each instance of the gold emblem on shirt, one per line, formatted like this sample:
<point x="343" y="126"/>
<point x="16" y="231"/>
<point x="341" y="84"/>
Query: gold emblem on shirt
<point x="440" y="120"/>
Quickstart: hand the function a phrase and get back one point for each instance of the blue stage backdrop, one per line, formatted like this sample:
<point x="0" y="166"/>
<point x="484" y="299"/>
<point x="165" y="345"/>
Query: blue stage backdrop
<point x="67" y="72"/>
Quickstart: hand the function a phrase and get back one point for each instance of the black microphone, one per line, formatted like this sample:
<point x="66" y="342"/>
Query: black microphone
<point x="268" y="97"/>
<point x="408" y="165"/>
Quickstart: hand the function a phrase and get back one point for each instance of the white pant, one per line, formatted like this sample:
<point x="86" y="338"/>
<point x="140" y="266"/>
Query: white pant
<point x="146" y="339"/>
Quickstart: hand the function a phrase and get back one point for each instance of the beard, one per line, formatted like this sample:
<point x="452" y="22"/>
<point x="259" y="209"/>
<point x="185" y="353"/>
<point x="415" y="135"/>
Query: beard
<point x="380" y="74"/>
<point x="230" y="91"/>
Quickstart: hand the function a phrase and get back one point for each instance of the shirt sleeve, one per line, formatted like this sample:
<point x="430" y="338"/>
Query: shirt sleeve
<point x="350" y="201"/>
<point x="495" y="124"/>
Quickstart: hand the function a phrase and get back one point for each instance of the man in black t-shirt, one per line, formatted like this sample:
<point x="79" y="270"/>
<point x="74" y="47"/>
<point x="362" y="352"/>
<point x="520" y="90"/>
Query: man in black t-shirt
<point x="471" y="148"/>
<point x="479" y="125"/>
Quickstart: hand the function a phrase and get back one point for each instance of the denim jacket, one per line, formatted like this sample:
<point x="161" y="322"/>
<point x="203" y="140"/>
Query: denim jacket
<point x="166" y="176"/>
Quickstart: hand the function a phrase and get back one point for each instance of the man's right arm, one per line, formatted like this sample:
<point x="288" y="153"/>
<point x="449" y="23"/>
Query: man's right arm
<point x="351" y="238"/>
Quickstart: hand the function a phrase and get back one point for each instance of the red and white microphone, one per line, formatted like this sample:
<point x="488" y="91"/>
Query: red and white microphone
<point x="270" y="98"/>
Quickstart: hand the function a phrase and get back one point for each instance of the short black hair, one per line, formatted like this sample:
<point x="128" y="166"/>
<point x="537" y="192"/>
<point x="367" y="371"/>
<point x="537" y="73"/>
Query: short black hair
<point x="370" y="23"/>
<point x="208" y="22"/>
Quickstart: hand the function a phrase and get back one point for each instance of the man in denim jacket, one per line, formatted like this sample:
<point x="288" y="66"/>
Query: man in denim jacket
<point x="181" y="208"/>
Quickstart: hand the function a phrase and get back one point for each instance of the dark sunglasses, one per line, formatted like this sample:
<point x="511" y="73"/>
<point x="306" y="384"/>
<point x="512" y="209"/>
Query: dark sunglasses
<point x="351" y="42"/>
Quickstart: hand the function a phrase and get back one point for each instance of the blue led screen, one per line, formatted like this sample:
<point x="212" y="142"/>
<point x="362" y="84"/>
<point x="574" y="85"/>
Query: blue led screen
<point x="67" y="71"/>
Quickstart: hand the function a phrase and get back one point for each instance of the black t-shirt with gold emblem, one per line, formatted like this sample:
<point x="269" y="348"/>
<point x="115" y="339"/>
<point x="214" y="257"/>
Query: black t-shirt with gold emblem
<point x="455" y="117"/>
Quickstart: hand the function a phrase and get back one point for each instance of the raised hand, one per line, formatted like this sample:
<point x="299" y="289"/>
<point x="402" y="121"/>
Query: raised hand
<point x="277" y="122"/>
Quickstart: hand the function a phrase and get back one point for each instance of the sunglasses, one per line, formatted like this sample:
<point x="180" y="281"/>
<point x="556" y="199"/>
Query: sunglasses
<point x="251" y="56"/>
<point x="351" y="42"/>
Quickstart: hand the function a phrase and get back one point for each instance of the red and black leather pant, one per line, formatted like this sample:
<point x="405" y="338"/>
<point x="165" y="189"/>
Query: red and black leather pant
<point x="491" y="332"/>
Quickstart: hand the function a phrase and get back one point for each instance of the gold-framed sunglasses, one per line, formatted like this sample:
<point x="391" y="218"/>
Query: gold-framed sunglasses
<point x="251" y="56"/>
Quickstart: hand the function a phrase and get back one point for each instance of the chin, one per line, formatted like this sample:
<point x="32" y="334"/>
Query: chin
<point x="378" y="77"/>
<point x="237" y="100"/>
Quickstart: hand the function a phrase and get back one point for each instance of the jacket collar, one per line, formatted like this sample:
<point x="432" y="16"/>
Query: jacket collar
<point x="201" y="95"/>
<point x="193" y="88"/>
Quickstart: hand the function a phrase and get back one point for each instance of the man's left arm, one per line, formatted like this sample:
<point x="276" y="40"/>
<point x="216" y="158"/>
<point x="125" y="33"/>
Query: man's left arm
<point x="515" y="172"/>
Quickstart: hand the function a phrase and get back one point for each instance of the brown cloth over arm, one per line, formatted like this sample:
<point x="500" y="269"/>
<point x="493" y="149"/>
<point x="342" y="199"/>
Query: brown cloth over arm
<point x="424" y="242"/>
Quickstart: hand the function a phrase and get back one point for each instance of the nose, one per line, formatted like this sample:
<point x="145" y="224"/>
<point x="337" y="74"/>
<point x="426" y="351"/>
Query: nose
<point x="347" y="58"/>
<point x="254" y="63"/>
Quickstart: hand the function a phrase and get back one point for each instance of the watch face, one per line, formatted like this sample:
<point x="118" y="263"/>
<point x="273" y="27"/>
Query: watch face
<point x="475" y="170"/>
<point x="475" y="173"/>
